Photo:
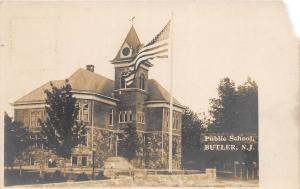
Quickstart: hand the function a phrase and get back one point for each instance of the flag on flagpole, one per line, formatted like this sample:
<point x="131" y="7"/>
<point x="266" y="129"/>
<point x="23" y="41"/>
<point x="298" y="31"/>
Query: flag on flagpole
<point x="156" y="48"/>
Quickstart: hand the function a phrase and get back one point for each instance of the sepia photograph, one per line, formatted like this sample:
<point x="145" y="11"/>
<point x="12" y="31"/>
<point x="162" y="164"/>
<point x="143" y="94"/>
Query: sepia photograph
<point x="149" y="94"/>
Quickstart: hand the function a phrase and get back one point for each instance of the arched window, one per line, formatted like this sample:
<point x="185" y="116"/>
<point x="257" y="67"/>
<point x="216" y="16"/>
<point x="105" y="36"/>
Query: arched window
<point x="142" y="81"/>
<point x="122" y="83"/>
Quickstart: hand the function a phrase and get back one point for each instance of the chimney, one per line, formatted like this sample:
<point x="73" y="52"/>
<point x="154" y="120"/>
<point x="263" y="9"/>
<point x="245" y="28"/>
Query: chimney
<point x="90" y="67"/>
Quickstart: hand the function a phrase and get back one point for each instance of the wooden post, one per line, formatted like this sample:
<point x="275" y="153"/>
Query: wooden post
<point x="234" y="165"/>
<point x="241" y="173"/>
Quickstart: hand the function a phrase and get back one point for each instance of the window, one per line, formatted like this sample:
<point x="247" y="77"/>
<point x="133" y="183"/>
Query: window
<point x="121" y="118"/>
<point x="31" y="160"/>
<point x="84" y="161"/>
<point x="122" y="83"/>
<point x="36" y="142"/>
<point x="174" y="150"/>
<point x="141" y="117"/>
<point x="130" y="117"/>
<point x="84" y="140"/>
<point x="74" y="161"/>
<point x="174" y="121"/>
<point x="138" y="116"/>
<point x="125" y="116"/>
<point x="142" y="81"/>
<point x="35" y="116"/>
<point x="111" y="117"/>
<point x="33" y="119"/>
<point x="85" y="112"/>
<point x="77" y="105"/>
<point x="110" y="143"/>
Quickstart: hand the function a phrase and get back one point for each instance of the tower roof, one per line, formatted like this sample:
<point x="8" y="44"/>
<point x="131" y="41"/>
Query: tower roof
<point x="132" y="42"/>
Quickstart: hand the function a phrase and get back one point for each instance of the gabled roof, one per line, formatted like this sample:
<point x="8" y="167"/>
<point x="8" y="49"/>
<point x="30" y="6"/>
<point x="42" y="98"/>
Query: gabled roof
<point x="38" y="95"/>
<point x="86" y="81"/>
<point x="132" y="40"/>
<point x="159" y="93"/>
<point x="81" y="80"/>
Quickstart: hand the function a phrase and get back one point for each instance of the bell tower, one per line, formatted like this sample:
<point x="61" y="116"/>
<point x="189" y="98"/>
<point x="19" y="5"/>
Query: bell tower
<point x="132" y="97"/>
<point x="126" y="54"/>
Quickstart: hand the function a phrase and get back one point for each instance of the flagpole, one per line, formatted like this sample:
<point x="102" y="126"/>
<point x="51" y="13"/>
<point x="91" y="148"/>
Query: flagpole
<point x="171" y="97"/>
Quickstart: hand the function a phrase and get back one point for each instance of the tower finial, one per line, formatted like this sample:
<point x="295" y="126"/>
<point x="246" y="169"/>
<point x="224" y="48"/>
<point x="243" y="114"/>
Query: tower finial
<point x="132" y="20"/>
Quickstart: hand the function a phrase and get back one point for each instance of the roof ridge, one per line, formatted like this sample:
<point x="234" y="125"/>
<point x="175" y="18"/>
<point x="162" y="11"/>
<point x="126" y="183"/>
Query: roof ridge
<point x="94" y="73"/>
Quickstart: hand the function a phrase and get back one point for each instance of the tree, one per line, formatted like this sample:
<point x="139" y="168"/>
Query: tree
<point x="236" y="109"/>
<point x="247" y="106"/>
<point x="16" y="140"/>
<point x="129" y="143"/>
<point x="223" y="109"/>
<point x="61" y="131"/>
<point x="192" y="128"/>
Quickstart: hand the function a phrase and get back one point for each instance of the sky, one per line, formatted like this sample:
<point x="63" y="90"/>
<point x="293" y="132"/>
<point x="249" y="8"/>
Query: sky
<point x="293" y="7"/>
<point x="211" y="40"/>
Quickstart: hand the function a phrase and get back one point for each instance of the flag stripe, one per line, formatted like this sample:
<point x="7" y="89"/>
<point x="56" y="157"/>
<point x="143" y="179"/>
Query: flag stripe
<point x="149" y="55"/>
<point x="162" y="54"/>
<point x="146" y="49"/>
<point x="156" y="48"/>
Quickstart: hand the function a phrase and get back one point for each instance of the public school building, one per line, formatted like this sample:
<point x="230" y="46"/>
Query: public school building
<point x="106" y="105"/>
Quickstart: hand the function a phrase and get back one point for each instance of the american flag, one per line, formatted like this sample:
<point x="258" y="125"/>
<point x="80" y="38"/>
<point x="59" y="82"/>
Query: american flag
<point x="156" y="48"/>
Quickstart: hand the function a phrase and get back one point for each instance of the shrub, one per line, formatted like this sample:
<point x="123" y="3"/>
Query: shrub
<point x="101" y="176"/>
<point x="82" y="177"/>
<point x="57" y="176"/>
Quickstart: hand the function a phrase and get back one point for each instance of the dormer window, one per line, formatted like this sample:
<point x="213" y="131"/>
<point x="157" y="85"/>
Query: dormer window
<point x="142" y="82"/>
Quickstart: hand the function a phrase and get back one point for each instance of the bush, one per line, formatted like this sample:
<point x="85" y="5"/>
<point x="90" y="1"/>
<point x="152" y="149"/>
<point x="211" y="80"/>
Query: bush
<point x="12" y="177"/>
<point x="57" y="176"/>
<point x="101" y="176"/>
<point x="82" y="177"/>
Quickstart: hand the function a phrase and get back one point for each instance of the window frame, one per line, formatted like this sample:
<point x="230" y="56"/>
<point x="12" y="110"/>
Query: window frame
<point x="38" y="114"/>
<point x="141" y="117"/>
<point x="142" y="81"/>
<point x="125" y="117"/>
<point x="121" y="82"/>
<point x="111" y="117"/>
<point x="83" y="112"/>
<point x="130" y="116"/>
<point x="72" y="163"/>
<point x="86" y="162"/>
<point x="121" y="118"/>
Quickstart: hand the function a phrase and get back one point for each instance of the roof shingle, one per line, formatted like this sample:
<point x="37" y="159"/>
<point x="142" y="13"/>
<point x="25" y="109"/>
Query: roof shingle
<point x="87" y="81"/>
<point x="158" y="92"/>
